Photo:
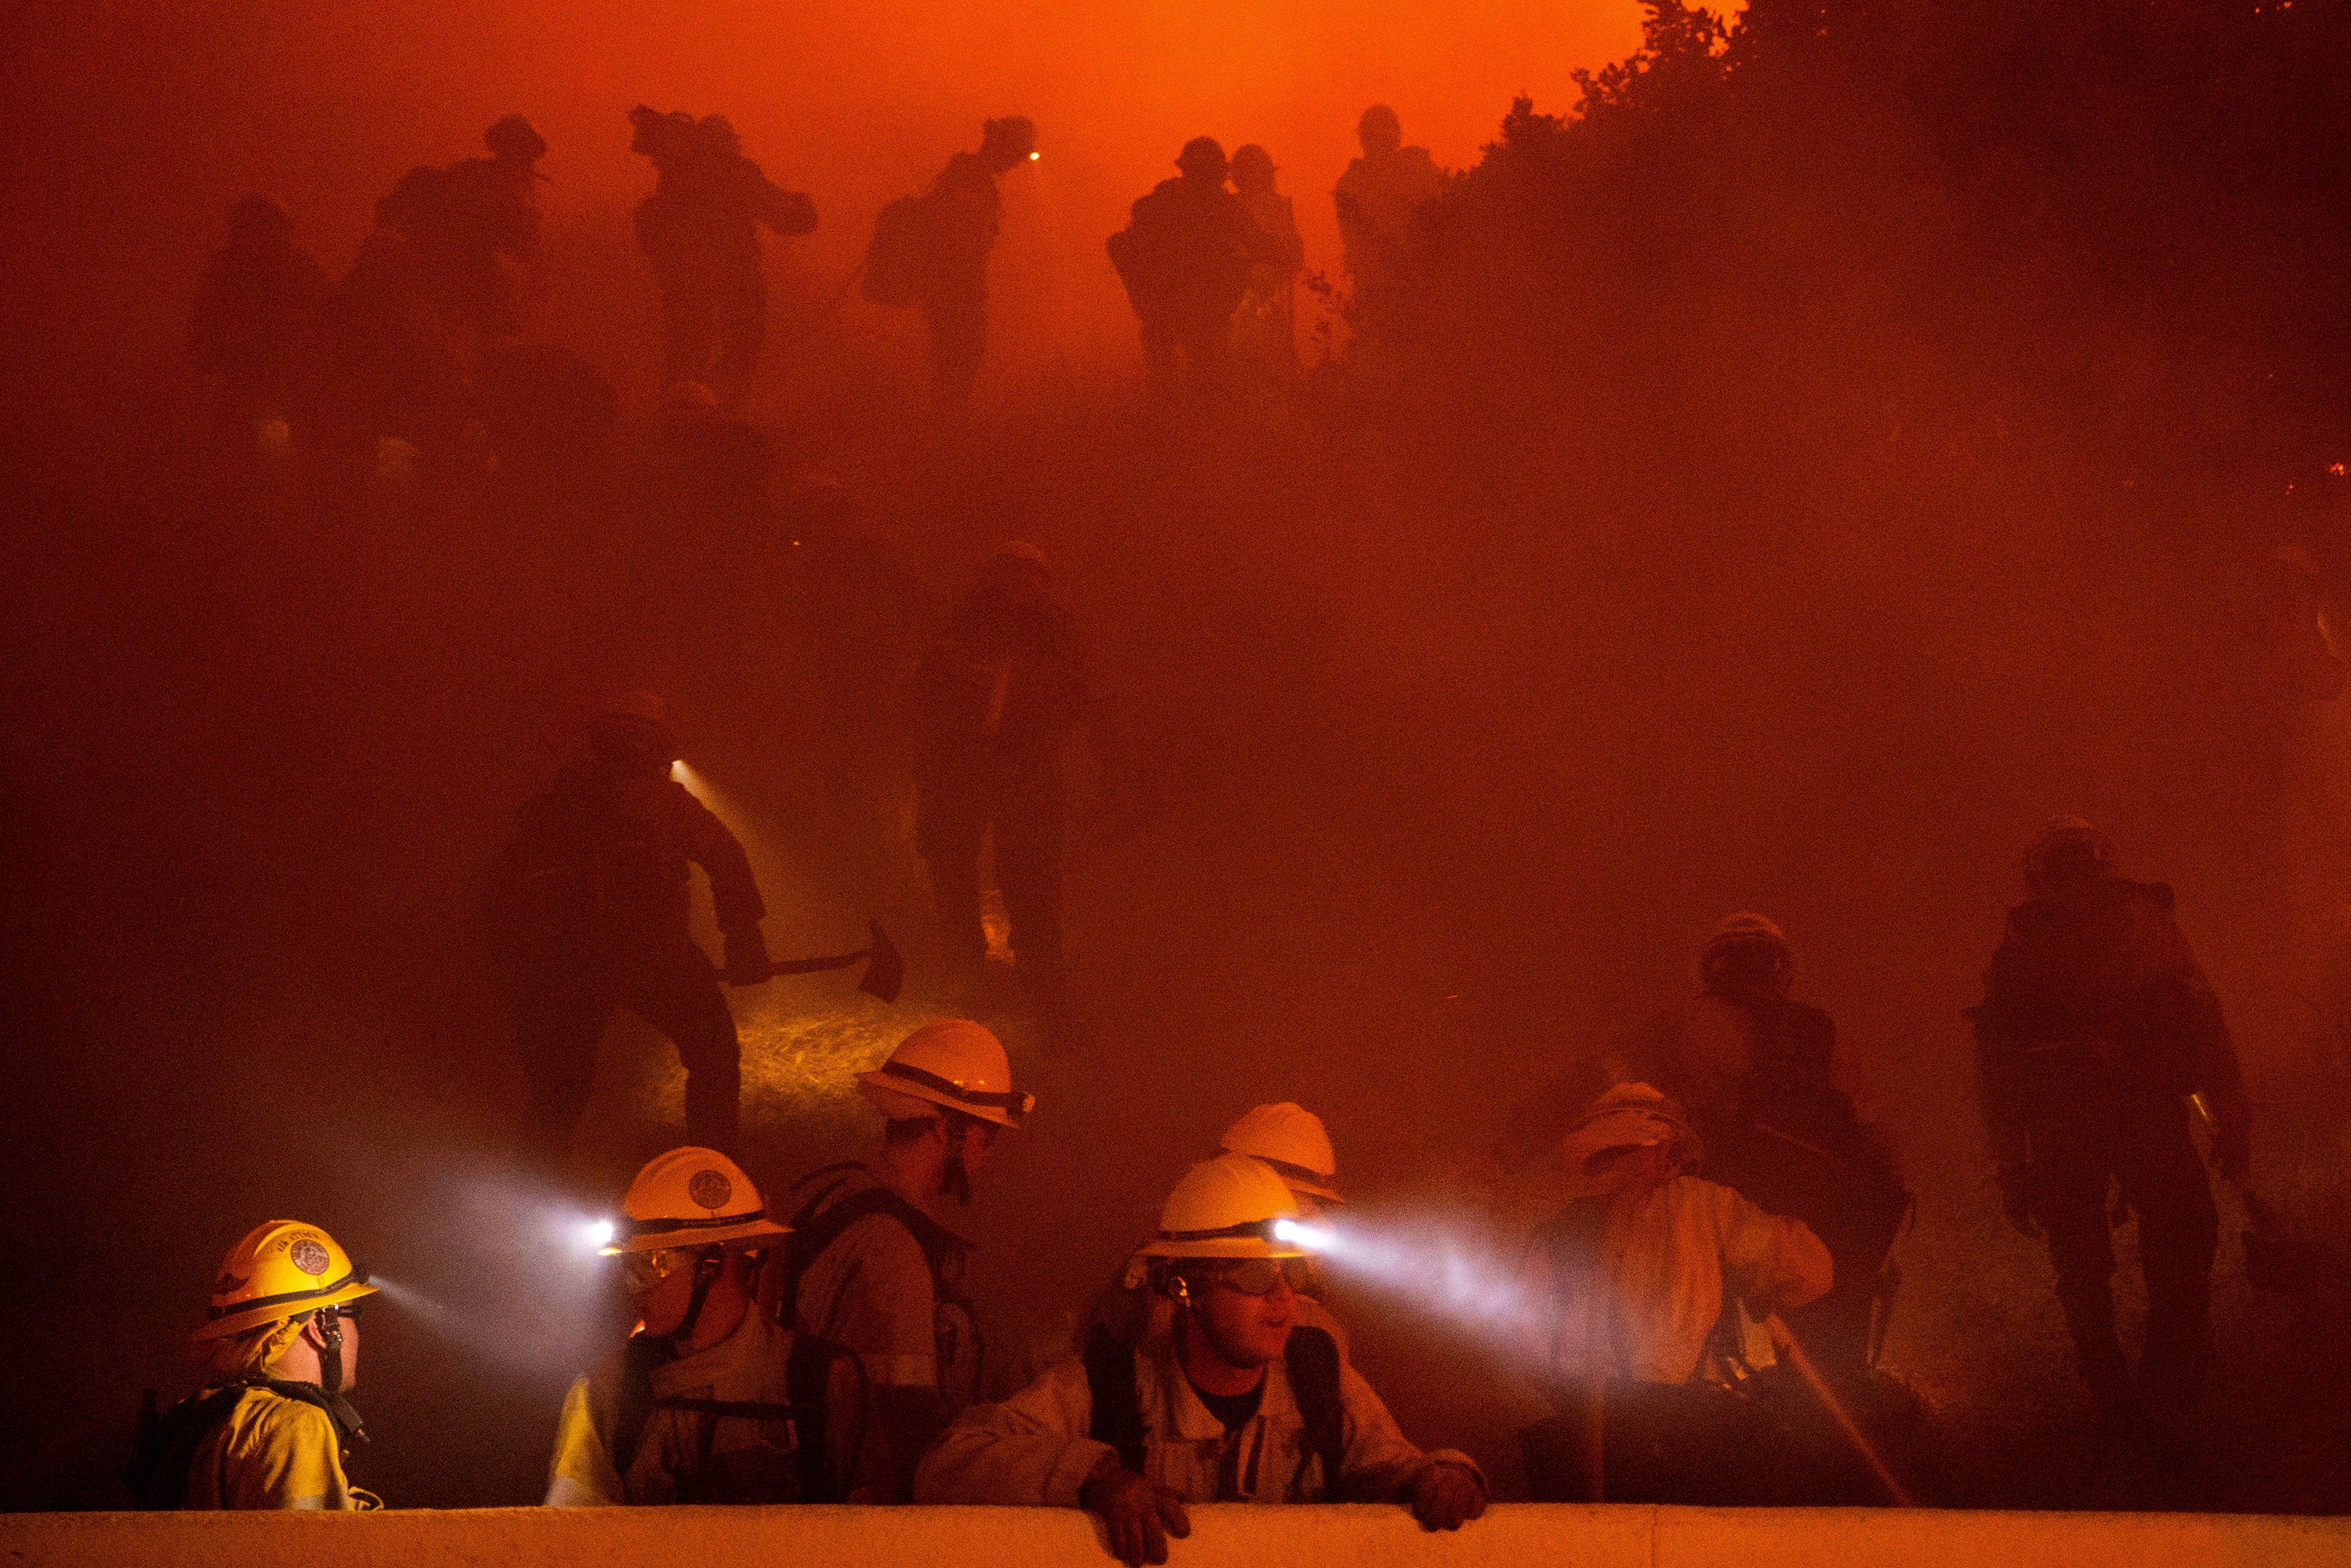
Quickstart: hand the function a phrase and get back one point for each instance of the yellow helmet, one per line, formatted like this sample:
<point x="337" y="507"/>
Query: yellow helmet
<point x="691" y="1198"/>
<point x="1293" y="1142"/>
<point x="282" y="1269"/>
<point x="952" y="1062"/>
<point x="1230" y="1206"/>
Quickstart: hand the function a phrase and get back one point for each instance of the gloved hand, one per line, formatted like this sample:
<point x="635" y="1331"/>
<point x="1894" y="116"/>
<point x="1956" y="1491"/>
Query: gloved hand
<point x="1446" y="1494"/>
<point x="2016" y="1199"/>
<point x="1139" y="1512"/>
<point x="747" y="957"/>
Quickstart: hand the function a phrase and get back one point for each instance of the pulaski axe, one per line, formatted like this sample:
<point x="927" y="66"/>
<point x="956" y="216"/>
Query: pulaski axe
<point x="885" y="972"/>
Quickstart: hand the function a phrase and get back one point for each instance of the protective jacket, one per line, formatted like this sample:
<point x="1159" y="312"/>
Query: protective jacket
<point x="596" y="869"/>
<point x="1038" y="1447"/>
<point x="2095" y="997"/>
<point x="743" y="1421"/>
<point x="700" y="228"/>
<point x="870" y="1272"/>
<point x="1635" y="1289"/>
<point x="962" y="215"/>
<point x="272" y="1450"/>
<point x="1185" y="255"/>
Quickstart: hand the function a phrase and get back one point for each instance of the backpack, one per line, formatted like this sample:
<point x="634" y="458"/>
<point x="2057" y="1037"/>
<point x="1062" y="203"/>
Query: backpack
<point x="807" y="1375"/>
<point x="898" y="260"/>
<point x="1313" y="1363"/>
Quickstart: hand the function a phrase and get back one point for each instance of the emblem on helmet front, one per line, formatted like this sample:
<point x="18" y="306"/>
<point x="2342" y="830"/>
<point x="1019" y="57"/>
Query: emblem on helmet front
<point x="711" y="1189"/>
<point x="308" y="1256"/>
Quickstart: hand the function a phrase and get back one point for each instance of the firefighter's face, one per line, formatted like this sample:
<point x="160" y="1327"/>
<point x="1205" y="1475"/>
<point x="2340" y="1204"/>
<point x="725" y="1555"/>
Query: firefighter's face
<point x="1245" y="1329"/>
<point x="1629" y="1172"/>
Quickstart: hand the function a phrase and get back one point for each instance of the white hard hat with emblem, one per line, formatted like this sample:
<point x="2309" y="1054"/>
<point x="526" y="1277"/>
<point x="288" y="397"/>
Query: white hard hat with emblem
<point x="691" y="1198"/>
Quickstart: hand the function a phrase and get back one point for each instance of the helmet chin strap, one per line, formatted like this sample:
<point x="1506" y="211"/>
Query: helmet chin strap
<point x="329" y="1323"/>
<point x="707" y="1269"/>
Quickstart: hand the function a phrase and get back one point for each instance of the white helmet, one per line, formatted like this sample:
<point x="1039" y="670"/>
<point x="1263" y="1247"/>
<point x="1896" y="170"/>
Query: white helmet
<point x="1293" y="1142"/>
<point x="1630" y="1115"/>
<point x="952" y="1063"/>
<point x="691" y="1198"/>
<point x="1226" y="1207"/>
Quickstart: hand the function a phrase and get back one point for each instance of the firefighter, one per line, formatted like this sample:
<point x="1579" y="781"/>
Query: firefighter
<point x="589" y="905"/>
<point x="1265" y="332"/>
<point x="259" y="310"/>
<point x="1636" y="1288"/>
<point x="1377" y="199"/>
<point x="709" y="1400"/>
<point x="962" y="213"/>
<point x="1184" y="258"/>
<point x="2096" y="1026"/>
<point x="700" y="230"/>
<point x="872" y="1266"/>
<point x="1229" y="1402"/>
<point x="273" y="1425"/>
<point x="997" y="695"/>
<point x="489" y="216"/>
<point x="1759" y="1074"/>
<point x="1293" y="1142"/>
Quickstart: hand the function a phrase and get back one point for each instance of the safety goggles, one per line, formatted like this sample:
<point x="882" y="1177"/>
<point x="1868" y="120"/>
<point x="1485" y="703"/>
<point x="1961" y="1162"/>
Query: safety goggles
<point x="1262" y="1276"/>
<point x="643" y="1271"/>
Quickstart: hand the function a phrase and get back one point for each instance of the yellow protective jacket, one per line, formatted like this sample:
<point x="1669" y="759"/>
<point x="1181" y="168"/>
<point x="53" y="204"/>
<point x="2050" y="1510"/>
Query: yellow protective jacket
<point x="271" y="1452"/>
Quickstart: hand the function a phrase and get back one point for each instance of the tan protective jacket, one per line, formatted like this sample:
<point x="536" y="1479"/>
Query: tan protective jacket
<point x="1035" y="1448"/>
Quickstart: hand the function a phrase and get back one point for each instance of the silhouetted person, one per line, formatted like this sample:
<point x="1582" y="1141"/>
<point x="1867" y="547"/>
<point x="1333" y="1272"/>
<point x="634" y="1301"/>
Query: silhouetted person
<point x="392" y="365"/>
<point x="1265" y="333"/>
<point x="963" y="212"/>
<point x="489" y="215"/>
<point x="2095" y="1025"/>
<point x="589" y="906"/>
<point x="998" y="694"/>
<point x="1376" y="198"/>
<point x="1185" y="259"/>
<point x="256" y="318"/>
<point x="700" y="230"/>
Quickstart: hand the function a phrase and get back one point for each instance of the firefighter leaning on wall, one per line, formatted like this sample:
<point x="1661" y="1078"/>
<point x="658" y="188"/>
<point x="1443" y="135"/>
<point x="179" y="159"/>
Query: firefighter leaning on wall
<point x="1228" y="1403"/>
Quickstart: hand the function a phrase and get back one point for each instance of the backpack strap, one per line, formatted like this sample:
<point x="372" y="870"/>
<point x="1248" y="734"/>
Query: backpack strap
<point x="1117" y="1403"/>
<point x="1312" y="1360"/>
<point x="813" y="1232"/>
<point x="633" y="1405"/>
<point x="807" y="1384"/>
<point x="808" y="1372"/>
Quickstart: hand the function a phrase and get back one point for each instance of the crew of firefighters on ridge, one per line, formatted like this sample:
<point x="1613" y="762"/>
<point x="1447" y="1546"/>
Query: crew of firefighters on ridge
<point x="826" y="1352"/>
<point x="415" y="340"/>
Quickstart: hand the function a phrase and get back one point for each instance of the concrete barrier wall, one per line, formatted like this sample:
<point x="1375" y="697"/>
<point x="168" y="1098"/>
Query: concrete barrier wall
<point x="1226" y="1536"/>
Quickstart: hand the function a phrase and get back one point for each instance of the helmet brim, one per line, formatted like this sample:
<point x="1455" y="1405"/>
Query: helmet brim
<point x="880" y="1083"/>
<point x="1224" y="1246"/>
<point x="235" y="1323"/>
<point x="718" y="1236"/>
